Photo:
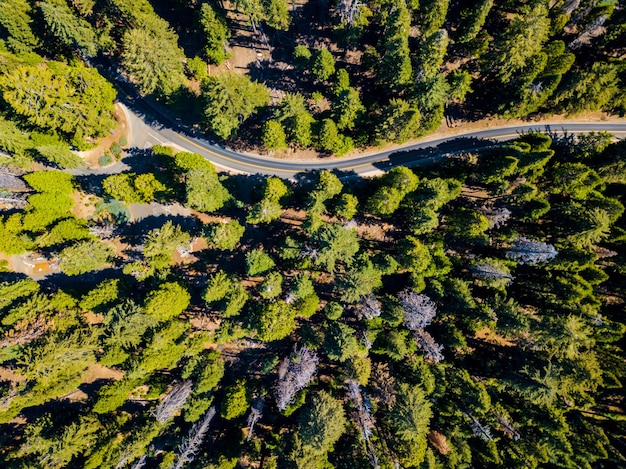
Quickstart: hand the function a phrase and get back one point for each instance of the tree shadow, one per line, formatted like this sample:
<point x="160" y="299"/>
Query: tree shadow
<point x="78" y="283"/>
<point x="428" y="155"/>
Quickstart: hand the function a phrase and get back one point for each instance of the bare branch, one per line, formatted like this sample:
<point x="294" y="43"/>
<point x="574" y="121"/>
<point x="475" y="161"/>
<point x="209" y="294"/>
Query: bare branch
<point x="295" y="374"/>
<point x="173" y="401"/>
<point x="190" y="446"/>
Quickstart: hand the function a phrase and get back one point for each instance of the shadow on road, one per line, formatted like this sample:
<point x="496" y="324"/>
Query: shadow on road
<point x="430" y="155"/>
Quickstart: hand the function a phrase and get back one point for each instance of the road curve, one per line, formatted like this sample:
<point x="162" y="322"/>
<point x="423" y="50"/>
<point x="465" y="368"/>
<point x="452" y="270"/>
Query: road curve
<point x="145" y="133"/>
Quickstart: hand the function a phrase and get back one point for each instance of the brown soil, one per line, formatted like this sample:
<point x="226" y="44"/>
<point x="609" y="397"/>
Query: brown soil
<point x="491" y="337"/>
<point x="97" y="372"/>
<point x="90" y="157"/>
<point x="83" y="206"/>
<point x="9" y="375"/>
<point x="120" y="248"/>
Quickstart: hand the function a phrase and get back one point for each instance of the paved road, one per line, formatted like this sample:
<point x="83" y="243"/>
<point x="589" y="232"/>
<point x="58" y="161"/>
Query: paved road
<point x="145" y="134"/>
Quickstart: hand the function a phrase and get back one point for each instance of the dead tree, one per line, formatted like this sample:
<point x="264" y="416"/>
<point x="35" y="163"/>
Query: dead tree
<point x="190" y="445"/>
<point x="294" y="374"/>
<point x="256" y="412"/>
<point x="173" y="401"/>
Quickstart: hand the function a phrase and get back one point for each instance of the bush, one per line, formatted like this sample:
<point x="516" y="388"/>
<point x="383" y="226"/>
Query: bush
<point x="105" y="160"/>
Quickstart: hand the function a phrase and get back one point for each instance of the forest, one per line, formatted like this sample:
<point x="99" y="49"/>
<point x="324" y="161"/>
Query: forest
<point x="279" y="77"/>
<point x="464" y="314"/>
<point x="467" y="311"/>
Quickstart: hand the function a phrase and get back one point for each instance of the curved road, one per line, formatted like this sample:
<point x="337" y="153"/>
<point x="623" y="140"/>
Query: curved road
<point x="145" y="134"/>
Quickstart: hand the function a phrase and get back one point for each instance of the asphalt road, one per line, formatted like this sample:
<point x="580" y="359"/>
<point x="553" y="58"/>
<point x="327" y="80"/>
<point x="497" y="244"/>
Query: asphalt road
<point x="145" y="133"/>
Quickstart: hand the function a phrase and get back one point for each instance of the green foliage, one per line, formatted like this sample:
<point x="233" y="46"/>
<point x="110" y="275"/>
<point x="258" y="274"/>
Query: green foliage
<point x="293" y="114"/>
<point x="394" y="69"/>
<point x="13" y="140"/>
<point x="333" y="310"/>
<point x="433" y="53"/>
<point x="197" y="67"/>
<point x="336" y="244"/>
<point x="73" y="100"/>
<point x="69" y="29"/>
<point x="205" y="192"/>
<point x="397" y="184"/>
<point x="322" y="422"/>
<point x="342" y="81"/>
<point x="277" y="14"/>
<point x="323" y="66"/>
<point x="59" y="155"/>
<point x="301" y="56"/>
<point x="168" y="301"/>
<point x="398" y="122"/>
<point x="102" y="295"/>
<point x="347" y="109"/>
<point x="85" y="256"/>
<point x="360" y="280"/>
<point x="132" y="188"/>
<point x="161" y="243"/>
<point x="595" y="89"/>
<point x="523" y="39"/>
<point x="236" y="402"/>
<point x="274" y="321"/>
<point x="58" y="450"/>
<point x="153" y="59"/>
<point x="274" y="136"/>
<point x="473" y="20"/>
<point x="330" y="140"/>
<point x="218" y="286"/>
<point x="271" y="287"/>
<point x="224" y="235"/>
<point x="12" y="238"/>
<point x="346" y="206"/>
<point x="230" y="99"/>
<point x="340" y="342"/>
<point x="11" y="291"/>
<point x="258" y="262"/>
<point x="70" y="229"/>
<point x="467" y="224"/>
<point x="216" y="34"/>
<point x="186" y="161"/>
<point x="16" y="19"/>
<point x="409" y="418"/>
<point x="302" y="286"/>
<point x="51" y="181"/>
<point x="265" y="211"/>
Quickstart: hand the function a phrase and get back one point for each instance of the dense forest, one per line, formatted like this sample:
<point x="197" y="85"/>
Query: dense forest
<point x="470" y="314"/>
<point x="277" y="76"/>
<point x="466" y="312"/>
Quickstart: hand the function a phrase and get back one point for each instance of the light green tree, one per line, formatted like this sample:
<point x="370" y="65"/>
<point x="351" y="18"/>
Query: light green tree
<point x="168" y="301"/>
<point x="347" y="108"/>
<point x="205" y="192"/>
<point x="216" y="34"/>
<point x="236" y="401"/>
<point x="224" y="235"/>
<point x="258" y="262"/>
<point x="230" y="99"/>
<point x="70" y="29"/>
<point x="274" y="136"/>
<point x="335" y="244"/>
<point x="16" y="18"/>
<point x="296" y="119"/>
<point x="398" y="122"/>
<point x="75" y="101"/>
<point x="153" y="59"/>
<point x="523" y="39"/>
<point x="85" y="256"/>
<point x="323" y="66"/>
